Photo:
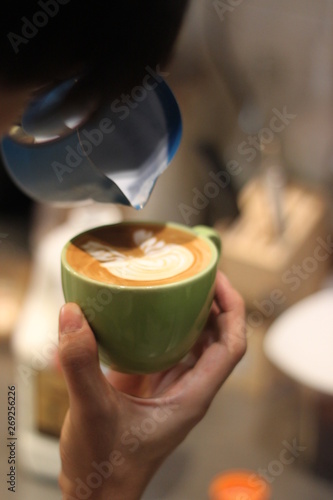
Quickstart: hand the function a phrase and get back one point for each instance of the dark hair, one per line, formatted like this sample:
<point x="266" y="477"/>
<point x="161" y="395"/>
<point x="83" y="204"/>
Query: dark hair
<point x="111" y="42"/>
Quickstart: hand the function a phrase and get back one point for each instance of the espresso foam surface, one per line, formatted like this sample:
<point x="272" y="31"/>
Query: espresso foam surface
<point x="136" y="255"/>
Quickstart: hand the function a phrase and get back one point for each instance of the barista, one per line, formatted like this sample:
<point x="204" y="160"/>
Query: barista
<point x="109" y="44"/>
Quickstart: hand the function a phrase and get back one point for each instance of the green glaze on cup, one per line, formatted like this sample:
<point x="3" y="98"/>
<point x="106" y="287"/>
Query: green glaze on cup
<point x="146" y="329"/>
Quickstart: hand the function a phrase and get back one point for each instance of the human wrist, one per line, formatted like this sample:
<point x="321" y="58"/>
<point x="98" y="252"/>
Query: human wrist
<point x="106" y="492"/>
<point x="129" y="483"/>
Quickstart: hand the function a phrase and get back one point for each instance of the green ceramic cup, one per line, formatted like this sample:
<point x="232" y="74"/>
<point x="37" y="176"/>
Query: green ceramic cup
<point x="146" y="329"/>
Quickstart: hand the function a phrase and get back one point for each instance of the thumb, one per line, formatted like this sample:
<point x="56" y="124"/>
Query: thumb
<point x="78" y="355"/>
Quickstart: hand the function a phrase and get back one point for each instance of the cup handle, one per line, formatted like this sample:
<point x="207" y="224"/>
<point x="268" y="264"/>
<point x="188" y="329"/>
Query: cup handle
<point x="211" y="234"/>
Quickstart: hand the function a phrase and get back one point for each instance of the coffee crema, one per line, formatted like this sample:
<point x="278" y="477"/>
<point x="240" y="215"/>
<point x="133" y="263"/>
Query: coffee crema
<point x="138" y="254"/>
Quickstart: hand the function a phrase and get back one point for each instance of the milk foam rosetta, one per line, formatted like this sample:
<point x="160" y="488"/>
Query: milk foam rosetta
<point x="158" y="261"/>
<point x="138" y="254"/>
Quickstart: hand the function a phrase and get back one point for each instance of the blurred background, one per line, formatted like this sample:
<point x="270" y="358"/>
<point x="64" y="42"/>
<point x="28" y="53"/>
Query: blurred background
<point x="254" y="81"/>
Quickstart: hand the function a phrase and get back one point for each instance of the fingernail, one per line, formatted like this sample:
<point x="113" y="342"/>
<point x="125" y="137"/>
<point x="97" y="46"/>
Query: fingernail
<point x="70" y="319"/>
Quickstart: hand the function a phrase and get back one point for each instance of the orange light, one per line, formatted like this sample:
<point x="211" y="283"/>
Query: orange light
<point x="239" y="485"/>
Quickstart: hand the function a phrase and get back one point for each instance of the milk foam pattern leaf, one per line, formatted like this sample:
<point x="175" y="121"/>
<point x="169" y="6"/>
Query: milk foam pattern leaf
<point x="159" y="260"/>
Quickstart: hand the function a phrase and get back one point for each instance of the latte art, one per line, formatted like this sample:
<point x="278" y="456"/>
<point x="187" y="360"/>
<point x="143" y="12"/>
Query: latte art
<point x="138" y="254"/>
<point x="159" y="260"/>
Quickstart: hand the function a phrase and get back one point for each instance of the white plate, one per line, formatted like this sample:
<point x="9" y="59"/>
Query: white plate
<point x="300" y="342"/>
